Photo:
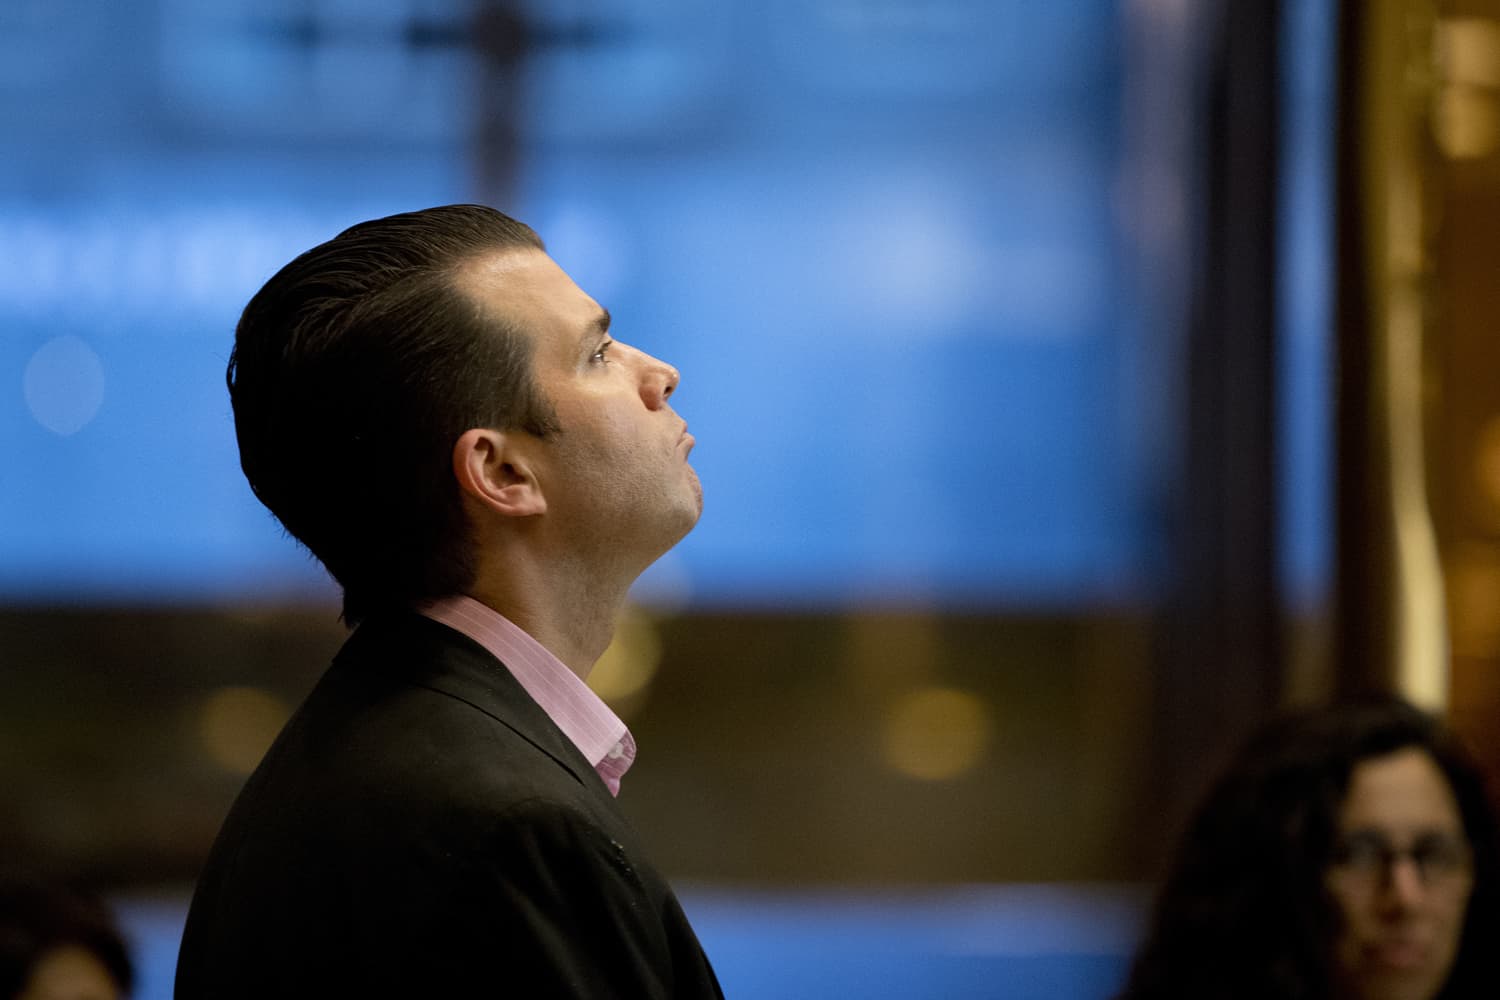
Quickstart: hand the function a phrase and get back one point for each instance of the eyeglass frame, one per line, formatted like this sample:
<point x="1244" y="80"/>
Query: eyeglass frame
<point x="1369" y="856"/>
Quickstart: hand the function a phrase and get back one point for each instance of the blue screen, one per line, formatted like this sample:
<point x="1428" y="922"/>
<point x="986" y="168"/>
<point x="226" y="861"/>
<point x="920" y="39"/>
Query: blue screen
<point x="880" y="241"/>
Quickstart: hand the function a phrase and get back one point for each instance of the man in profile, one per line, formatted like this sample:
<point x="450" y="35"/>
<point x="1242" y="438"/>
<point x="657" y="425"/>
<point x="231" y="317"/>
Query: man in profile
<point x="433" y="408"/>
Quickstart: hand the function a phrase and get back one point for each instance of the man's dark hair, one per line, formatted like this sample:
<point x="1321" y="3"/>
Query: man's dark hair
<point x="354" y="371"/>
<point x="1244" y="912"/>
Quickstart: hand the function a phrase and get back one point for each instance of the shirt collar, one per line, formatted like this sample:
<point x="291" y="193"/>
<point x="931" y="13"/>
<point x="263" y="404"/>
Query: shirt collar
<point x="582" y="715"/>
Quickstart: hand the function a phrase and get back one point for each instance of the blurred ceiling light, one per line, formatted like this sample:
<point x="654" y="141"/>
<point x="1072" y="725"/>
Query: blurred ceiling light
<point x="1466" y="122"/>
<point x="936" y="733"/>
<point x="237" y="725"/>
<point x="627" y="667"/>
<point x="1466" y="115"/>
<point x="64" y="385"/>
<point x="1468" y="51"/>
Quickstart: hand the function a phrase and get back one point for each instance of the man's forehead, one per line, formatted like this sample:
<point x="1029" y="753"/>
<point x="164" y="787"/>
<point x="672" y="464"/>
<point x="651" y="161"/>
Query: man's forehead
<point x="509" y="265"/>
<point x="518" y="275"/>
<point x="527" y="287"/>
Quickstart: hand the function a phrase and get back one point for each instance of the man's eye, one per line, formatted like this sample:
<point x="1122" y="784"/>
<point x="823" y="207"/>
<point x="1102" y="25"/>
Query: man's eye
<point x="599" y="355"/>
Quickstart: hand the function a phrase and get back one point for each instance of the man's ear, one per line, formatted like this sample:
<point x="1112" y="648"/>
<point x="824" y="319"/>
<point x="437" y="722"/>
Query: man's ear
<point x="494" y="473"/>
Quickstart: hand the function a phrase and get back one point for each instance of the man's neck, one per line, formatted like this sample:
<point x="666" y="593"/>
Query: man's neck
<point x="572" y="616"/>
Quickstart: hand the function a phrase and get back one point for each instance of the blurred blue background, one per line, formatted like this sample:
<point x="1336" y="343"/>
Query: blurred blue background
<point x="921" y="264"/>
<point x="882" y="241"/>
<point x="1033" y="942"/>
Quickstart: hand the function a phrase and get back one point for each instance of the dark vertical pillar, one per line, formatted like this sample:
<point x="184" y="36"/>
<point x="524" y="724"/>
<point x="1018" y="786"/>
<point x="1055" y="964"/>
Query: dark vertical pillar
<point x="1220" y="669"/>
<point x="1363" y="636"/>
<point x="501" y="39"/>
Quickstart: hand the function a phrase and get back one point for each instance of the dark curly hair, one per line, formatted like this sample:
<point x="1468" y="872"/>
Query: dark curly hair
<point x="1243" y="912"/>
<point x="354" y="371"/>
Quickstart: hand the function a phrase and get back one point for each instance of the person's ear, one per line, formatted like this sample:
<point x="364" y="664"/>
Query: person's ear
<point x="494" y="473"/>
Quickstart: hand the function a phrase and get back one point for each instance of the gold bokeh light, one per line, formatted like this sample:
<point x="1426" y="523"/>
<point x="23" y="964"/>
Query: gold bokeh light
<point x="936" y="733"/>
<point x="627" y="667"/>
<point x="237" y="725"/>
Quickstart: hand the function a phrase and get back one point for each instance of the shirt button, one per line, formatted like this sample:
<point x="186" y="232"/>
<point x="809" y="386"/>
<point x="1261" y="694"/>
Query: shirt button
<point x="616" y="752"/>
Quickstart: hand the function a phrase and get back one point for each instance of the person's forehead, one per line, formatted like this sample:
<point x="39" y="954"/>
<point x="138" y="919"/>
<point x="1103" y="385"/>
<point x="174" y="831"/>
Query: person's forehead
<point x="527" y="281"/>
<point x="1401" y="790"/>
<point x="486" y="266"/>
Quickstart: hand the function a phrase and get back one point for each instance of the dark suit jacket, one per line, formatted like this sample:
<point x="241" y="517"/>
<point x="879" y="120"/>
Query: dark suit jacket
<point x="421" y="828"/>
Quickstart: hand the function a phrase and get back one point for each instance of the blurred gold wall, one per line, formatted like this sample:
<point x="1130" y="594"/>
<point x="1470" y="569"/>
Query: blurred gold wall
<point x="775" y="749"/>
<point x="1464" y="390"/>
<point x="1419" y="382"/>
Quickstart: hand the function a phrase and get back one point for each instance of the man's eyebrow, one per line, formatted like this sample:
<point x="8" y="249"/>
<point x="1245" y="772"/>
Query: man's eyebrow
<point x="599" y="326"/>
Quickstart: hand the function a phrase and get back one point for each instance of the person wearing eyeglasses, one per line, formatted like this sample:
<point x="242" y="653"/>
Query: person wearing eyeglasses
<point x="1348" y="853"/>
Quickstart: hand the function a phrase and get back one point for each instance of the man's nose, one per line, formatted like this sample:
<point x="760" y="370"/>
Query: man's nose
<point x="659" y="380"/>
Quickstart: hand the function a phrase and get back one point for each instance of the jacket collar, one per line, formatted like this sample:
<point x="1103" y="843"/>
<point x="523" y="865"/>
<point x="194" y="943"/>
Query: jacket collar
<point x="420" y="651"/>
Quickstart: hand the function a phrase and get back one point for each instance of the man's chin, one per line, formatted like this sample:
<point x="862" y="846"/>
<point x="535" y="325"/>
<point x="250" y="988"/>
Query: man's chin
<point x="691" y="516"/>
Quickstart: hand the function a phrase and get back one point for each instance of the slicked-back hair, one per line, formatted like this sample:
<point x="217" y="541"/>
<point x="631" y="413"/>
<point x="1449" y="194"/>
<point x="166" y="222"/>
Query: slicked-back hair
<point x="1244" y="913"/>
<point x="355" y="369"/>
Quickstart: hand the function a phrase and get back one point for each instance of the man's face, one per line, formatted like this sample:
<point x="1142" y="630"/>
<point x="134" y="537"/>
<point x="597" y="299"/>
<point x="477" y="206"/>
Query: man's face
<point x="615" y="476"/>
<point x="1401" y="879"/>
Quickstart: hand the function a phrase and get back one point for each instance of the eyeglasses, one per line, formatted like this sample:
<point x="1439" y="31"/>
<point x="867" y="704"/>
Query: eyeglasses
<point x="1370" y="857"/>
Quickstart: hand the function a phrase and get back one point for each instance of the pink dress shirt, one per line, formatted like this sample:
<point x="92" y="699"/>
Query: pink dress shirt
<point x="584" y="719"/>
